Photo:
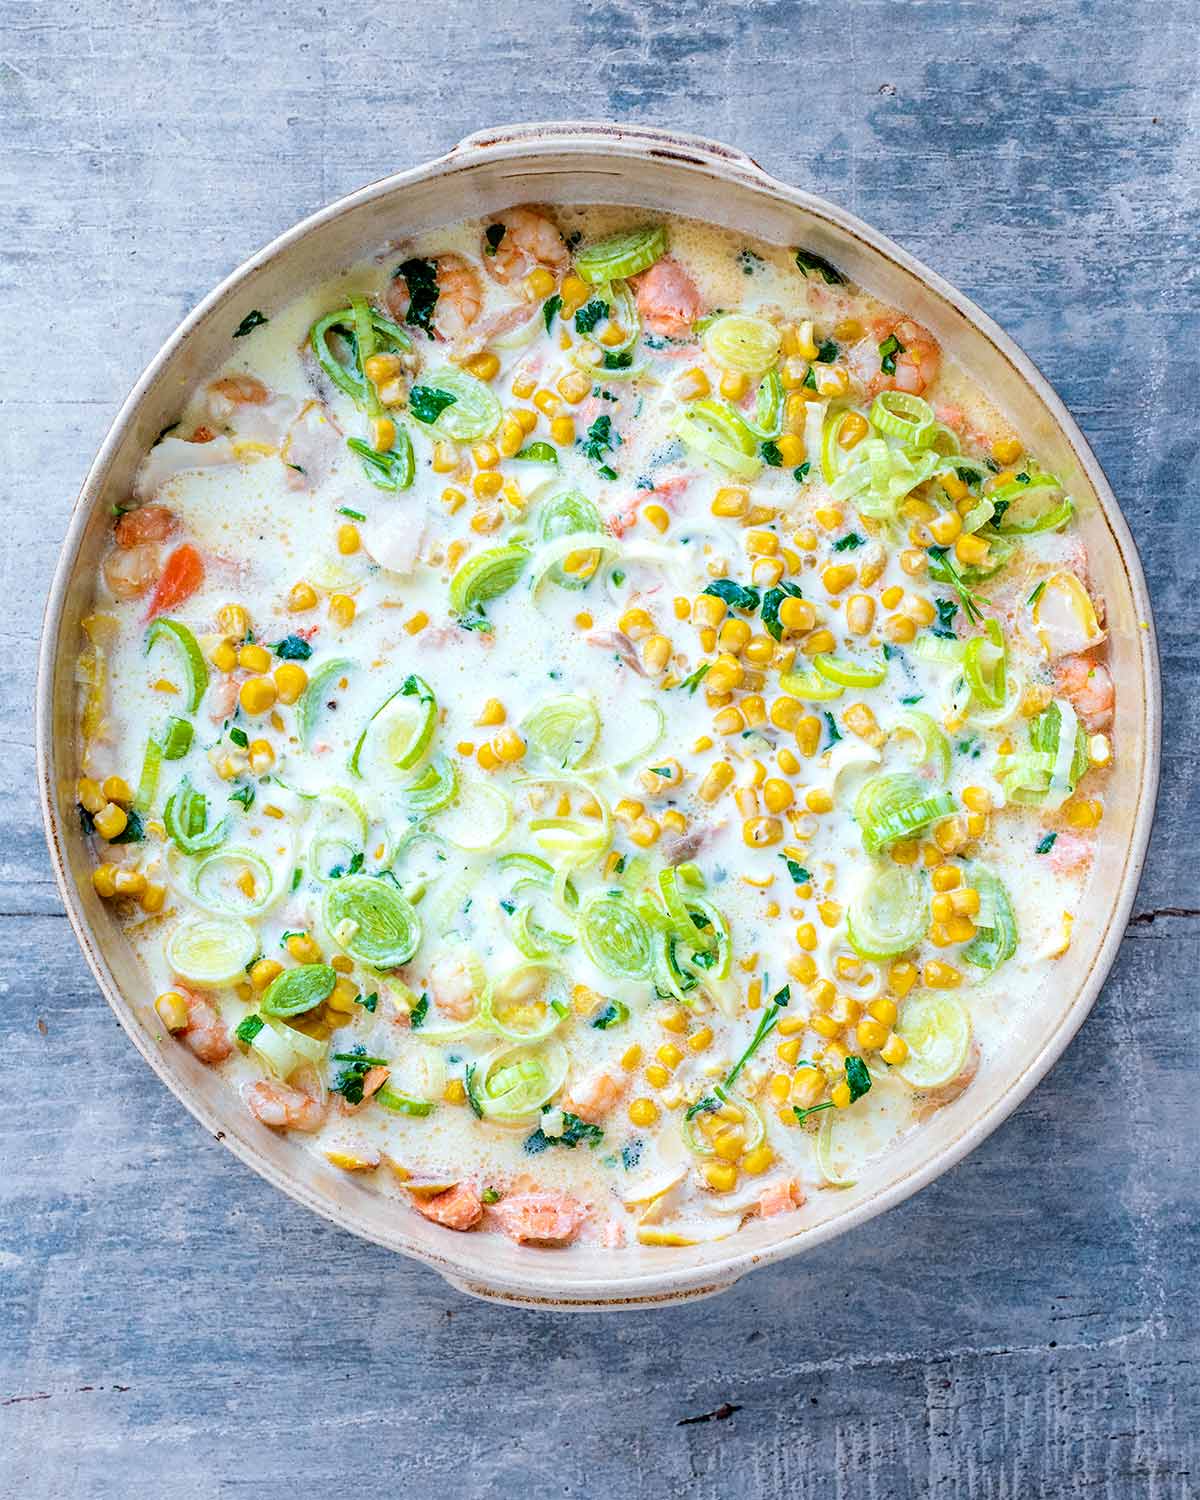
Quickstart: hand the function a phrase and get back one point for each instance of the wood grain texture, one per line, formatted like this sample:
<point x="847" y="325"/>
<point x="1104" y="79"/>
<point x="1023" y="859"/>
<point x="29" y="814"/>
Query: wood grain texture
<point x="1027" y="1326"/>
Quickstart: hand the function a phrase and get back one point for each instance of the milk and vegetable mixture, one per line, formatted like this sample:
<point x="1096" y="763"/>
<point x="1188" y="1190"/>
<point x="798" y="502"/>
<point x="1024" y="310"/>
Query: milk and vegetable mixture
<point x="597" y="725"/>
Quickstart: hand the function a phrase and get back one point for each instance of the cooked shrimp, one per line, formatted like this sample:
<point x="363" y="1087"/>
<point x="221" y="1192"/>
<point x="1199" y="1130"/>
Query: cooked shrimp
<point x="149" y="523"/>
<point x="130" y="571"/>
<point x="459" y="1207"/>
<point x="594" y="1095"/>
<point x="918" y="360"/>
<point x="1088" y="685"/>
<point x="1070" y="853"/>
<point x="780" y="1197"/>
<point x="283" y="1107"/>
<point x="222" y="699"/>
<point x="453" y="986"/>
<point x="206" y="1033"/>
<point x="232" y="391"/>
<point x="460" y="297"/>
<point x="667" y="299"/>
<point x="530" y="239"/>
<point x="541" y="1218"/>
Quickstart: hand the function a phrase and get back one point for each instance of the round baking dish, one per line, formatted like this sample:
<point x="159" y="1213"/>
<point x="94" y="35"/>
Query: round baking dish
<point x="598" y="163"/>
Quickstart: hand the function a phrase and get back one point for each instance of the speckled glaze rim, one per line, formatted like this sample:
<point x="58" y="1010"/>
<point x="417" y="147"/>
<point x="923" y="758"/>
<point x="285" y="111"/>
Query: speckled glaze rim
<point x="667" y="1281"/>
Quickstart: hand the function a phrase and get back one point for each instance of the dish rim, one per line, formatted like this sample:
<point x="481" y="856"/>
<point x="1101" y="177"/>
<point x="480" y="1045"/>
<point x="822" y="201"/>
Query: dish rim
<point x="659" y="1284"/>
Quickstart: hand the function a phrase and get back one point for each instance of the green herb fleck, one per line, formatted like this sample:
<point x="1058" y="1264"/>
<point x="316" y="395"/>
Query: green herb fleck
<point x="368" y="1002"/>
<point x="550" y="309"/>
<point x="590" y="314"/>
<point x="809" y="263"/>
<point x="493" y="234"/>
<point x="253" y="319"/>
<point x="248" y="1029"/>
<point x="735" y="595"/>
<point x="420" y="276"/>
<point x="418" y="1013"/>
<point x="888" y="351"/>
<point x="771" y="455"/>
<point x="944" y="625"/>
<point x="771" y="604"/>
<point x="427" y="403"/>
<point x="796" y="872"/>
<point x="1045" y="845"/>
<point x="849" y="543"/>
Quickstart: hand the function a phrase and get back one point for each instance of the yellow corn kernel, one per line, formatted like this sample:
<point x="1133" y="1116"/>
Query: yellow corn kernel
<point x="303" y="948"/>
<point x="759" y="649"/>
<point x="852" y="431"/>
<point x="891" y="596"/>
<point x="766" y="571"/>
<point x="455" y="1091"/>
<point x="153" y="898"/>
<point x="950" y="835"/>
<point x="894" y="1050"/>
<point x="871" y="1035"/>
<point x="734" y="384"/>
<point x="487" y="484"/>
<point x="779" y="1087"/>
<point x="643" y="1112"/>
<point x="111" y="821"/>
<point x="825" y="1026"/>
<point x="129" y="882"/>
<point x="941" y="908"/>
<point x="644" y="832"/>
<point x="657" y="517"/>
<point x="511" y="437"/>
<point x="487" y="757"/>
<point x="818" y="642"/>
<point x="797" y="614"/>
<point x="946" y="878"/>
<point x="254" y="658"/>
<point x="172" y="1010"/>
<point x="762" y="543"/>
<point x="631" y="1057"/>
<point x="417" y="623"/>
<point x="657" y="1076"/>
<point x="808" y="734"/>
<point x="539" y="283"/>
<point x="656" y="653"/>
<point x="919" y="610"/>
<point x="716" y="780"/>
<point x="860" y="614"/>
<point x="290" y="682"/>
<point x="971" y="550"/>
<point x="302" y="597"/>
<point x="262" y="756"/>
<point x="562" y="431"/>
<point x="777" y="795"/>
<point x="381" y="367"/>
<point x="899" y="629"/>
<point x="830" y="912"/>
<point x="946" y="528"/>
<point x="758" y="833"/>
<point x="731" y="502"/>
<point x="795" y="412"/>
<point x="838" y="576"/>
<point x="669" y="1055"/>
<point x="960" y="929"/>
<point x="104" y="881"/>
<point x="791" y="449"/>
<point x="233" y="621"/>
<point x="870" y="569"/>
<point x="1006" y="450"/>
<point x="746" y="798"/>
<point x="674" y="821"/>
<point x="860" y="719"/>
<point x="484" y="366"/>
<point x="224" y="657"/>
<point x="789" y="1052"/>
<point x="383" y="434"/>
<point x="733" y="635"/>
<point x="707" y="610"/>
<point x="636" y="624"/>
<point x="547" y="403"/>
<point x="807" y="1086"/>
<point x="802" y="969"/>
<point x="347" y="539"/>
<point x="342" y="610"/>
<point x="721" y="1176"/>
<point x="939" y="976"/>
<point x="117" y="789"/>
<point x="509" y="746"/>
<point x="257" y="695"/>
<point x="840" y="1095"/>
<point x="1084" y="812"/>
<point x="264" y="971"/>
<point x="818" y="800"/>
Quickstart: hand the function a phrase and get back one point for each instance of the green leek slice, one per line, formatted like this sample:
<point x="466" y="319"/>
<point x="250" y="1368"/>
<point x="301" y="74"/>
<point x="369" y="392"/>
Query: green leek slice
<point x="486" y="576"/>
<point x="312" y="700"/>
<point x="347" y="375"/>
<point x="433" y="789"/>
<point x="298" y="990"/>
<point x="407" y="731"/>
<point x="339" y="832"/>
<point x="995" y="940"/>
<point x="223" y="901"/>
<point x="402" y="1104"/>
<point x="152" y="761"/>
<point x="895" y="806"/>
<point x="716" y="432"/>
<point x="564" y="515"/>
<point x="811" y="686"/>
<point x="562" y="730"/>
<point x="932" y="745"/>
<point x="194" y="669"/>
<point x="985" y="665"/>
<point x="909" y="418"/>
<point x="478" y="820"/>
<point x="889" y="915"/>
<point x="619" y="256"/>
<point x="211" y="951"/>
<point x="473" y="414"/>
<point x="937" y="1029"/>
<point x="516" y="1081"/>
<point x="527" y="1004"/>
<point x="282" y="1048"/>
<point x="185" y="817"/>
<point x="1032" y="506"/>
<point x="847" y="673"/>
<point x="392" y="470"/>
<point x="742" y="342"/>
<point x="177" y="738"/>
<point x="371" y="921"/>
<point x="614" y="936"/>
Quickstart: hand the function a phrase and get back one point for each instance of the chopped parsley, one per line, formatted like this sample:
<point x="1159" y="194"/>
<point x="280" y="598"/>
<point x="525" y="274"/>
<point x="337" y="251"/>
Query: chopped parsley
<point x="550" y="309"/>
<point x="888" y="351"/>
<point x="574" y="1131"/>
<point x="239" y="737"/>
<point x="243" y="794"/>
<point x="707" y="1105"/>
<point x="943" y="626"/>
<point x="253" y="319"/>
<point x="772" y="601"/>
<point x="797" y="873"/>
<point x="694" y="679"/>
<point x="590" y="314"/>
<point x="858" y="1081"/>
<point x="1036" y="593"/>
<point x="766" y="1025"/>
<point x="601" y="439"/>
<point x="735" y="595"/>
<point x="368" y="1002"/>
<point x="801" y="471"/>
<point x="613" y="1014"/>
<point x="420" y="1010"/>
<point x="472" y="1096"/>
<point x="810" y="263"/>
<point x="771" y="455"/>
<point x="944" y="571"/>
<point x="1045" y="845"/>
<point x="492" y="235"/>
<point x="420" y="276"/>
<point x="827" y="352"/>
<point x="349" y="1082"/>
<point x="248" y="1029"/>
<point x="355" y="515"/>
<point x="617" y="361"/>
<point x="427" y="403"/>
<point x="849" y="543"/>
<point x="835" y="733"/>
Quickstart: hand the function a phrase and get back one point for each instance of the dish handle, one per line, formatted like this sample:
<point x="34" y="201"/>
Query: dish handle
<point x="675" y="145"/>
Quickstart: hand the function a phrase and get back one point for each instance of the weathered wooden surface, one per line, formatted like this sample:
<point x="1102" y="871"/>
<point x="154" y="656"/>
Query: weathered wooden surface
<point x="1027" y="1327"/>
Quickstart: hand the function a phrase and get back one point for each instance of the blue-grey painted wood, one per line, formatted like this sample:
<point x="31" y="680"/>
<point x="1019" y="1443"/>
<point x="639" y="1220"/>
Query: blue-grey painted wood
<point x="169" y="1325"/>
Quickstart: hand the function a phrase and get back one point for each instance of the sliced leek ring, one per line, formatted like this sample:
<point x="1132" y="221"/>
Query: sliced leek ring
<point x="1064" y="616"/>
<point x="937" y="1029"/>
<point x="211" y="951"/>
